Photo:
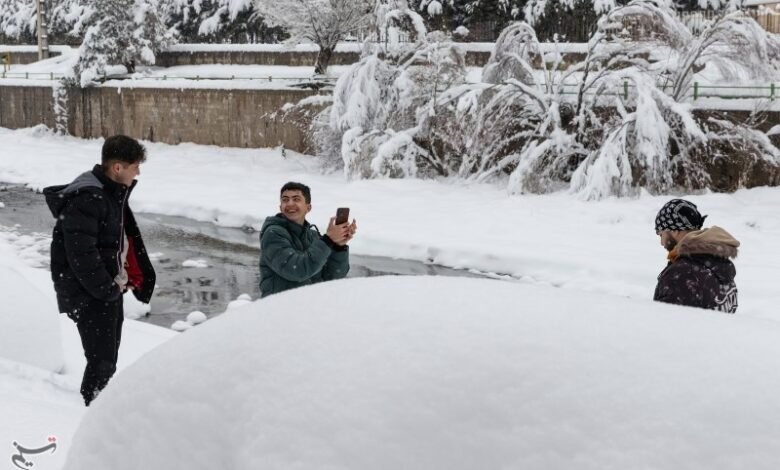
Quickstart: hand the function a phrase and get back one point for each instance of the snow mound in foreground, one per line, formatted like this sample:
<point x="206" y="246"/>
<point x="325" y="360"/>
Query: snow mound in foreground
<point x="446" y="373"/>
<point x="29" y="323"/>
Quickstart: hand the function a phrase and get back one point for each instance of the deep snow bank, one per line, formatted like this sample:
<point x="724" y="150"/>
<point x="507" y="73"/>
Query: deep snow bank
<point x="29" y="323"/>
<point x="417" y="372"/>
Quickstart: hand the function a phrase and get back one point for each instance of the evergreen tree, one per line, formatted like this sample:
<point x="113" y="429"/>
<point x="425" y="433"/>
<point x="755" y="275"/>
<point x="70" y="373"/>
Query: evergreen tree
<point x="17" y="20"/>
<point x="108" y="41"/>
<point x="68" y="20"/>
<point x="220" y="21"/>
<point x="150" y="32"/>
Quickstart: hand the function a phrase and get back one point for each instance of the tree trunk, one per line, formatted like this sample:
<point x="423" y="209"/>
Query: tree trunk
<point x="323" y="59"/>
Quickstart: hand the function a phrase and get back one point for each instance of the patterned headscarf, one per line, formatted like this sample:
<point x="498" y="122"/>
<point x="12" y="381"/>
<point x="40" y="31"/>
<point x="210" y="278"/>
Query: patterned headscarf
<point x="679" y="215"/>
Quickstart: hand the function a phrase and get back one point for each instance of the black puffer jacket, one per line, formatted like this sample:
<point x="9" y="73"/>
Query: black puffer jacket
<point x="701" y="273"/>
<point x="87" y="242"/>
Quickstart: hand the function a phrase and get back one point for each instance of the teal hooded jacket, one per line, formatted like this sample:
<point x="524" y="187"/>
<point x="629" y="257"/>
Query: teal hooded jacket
<point x="293" y="255"/>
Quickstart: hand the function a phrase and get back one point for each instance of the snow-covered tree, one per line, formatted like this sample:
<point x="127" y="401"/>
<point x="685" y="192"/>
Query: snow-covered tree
<point x="534" y="10"/>
<point x="221" y="13"/>
<point x="611" y="124"/>
<point x="658" y="143"/>
<point x="514" y="123"/>
<point x="150" y="32"/>
<point x="17" y="19"/>
<point x="322" y="22"/>
<point x="733" y="43"/>
<point x="109" y="41"/>
<point x="491" y="9"/>
<point x="385" y="119"/>
<point x="221" y="21"/>
<point x="68" y="19"/>
<point x="123" y="32"/>
<point x="396" y="25"/>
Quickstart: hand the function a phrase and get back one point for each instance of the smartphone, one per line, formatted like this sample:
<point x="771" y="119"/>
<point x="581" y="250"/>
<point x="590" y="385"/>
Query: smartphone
<point x="342" y="215"/>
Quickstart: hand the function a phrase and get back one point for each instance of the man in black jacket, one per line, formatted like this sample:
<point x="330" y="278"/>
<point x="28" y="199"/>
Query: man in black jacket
<point x="700" y="272"/>
<point x="97" y="254"/>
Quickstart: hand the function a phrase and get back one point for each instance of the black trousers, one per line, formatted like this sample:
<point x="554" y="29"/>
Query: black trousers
<point x="100" y="328"/>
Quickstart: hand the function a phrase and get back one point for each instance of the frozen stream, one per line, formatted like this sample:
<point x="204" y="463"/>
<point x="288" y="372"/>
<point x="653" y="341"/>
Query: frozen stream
<point x="231" y="254"/>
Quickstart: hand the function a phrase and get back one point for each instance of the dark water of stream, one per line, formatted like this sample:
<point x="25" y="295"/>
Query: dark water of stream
<point x="230" y="257"/>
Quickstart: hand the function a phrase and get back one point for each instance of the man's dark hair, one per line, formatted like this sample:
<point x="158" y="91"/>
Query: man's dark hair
<point x="121" y="148"/>
<point x="292" y="186"/>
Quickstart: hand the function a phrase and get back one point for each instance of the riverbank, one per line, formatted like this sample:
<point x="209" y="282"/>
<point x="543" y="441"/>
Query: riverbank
<point x="608" y="246"/>
<point x="200" y="266"/>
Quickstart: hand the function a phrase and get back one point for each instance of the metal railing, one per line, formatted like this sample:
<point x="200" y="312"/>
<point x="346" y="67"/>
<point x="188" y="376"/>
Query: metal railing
<point x="260" y="78"/>
<point x="770" y="91"/>
<point x="104" y="78"/>
<point x="33" y="75"/>
<point x="696" y="91"/>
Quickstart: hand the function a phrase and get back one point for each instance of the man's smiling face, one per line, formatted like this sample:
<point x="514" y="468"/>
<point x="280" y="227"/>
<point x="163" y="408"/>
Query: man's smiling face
<point x="294" y="206"/>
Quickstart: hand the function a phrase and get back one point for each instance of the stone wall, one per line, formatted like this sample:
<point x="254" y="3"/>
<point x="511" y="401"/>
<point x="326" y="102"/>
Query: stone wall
<point x="229" y="118"/>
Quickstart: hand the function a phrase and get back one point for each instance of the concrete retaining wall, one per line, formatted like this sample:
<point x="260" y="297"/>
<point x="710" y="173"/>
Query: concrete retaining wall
<point x="26" y="107"/>
<point x="289" y="58"/>
<point x="22" y="58"/>
<point x="230" y="118"/>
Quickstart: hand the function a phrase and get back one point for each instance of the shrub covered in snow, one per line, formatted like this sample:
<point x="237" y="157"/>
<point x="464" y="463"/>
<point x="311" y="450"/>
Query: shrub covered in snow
<point x="382" y="121"/>
<point x="617" y="121"/>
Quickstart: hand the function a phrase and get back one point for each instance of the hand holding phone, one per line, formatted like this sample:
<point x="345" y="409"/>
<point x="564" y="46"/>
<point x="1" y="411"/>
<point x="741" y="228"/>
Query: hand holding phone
<point x="342" y="215"/>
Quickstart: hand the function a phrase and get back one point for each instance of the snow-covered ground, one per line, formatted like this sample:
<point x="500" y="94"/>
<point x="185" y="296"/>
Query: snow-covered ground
<point x="41" y="359"/>
<point x="446" y="373"/>
<point x="608" y="246"/>
<point x="592" y="374"/>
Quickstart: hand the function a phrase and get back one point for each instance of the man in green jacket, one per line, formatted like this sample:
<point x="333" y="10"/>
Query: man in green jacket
<point x="292" y="251"/>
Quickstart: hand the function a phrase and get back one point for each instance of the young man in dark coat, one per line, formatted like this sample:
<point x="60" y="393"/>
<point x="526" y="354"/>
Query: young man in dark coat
<point x="292" y="251"/>
<point x="700" y="272"/>
<point x="97" y="254"/>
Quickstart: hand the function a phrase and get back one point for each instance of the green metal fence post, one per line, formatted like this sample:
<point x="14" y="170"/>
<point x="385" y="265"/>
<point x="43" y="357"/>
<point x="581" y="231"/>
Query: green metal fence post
<point x="772" y="91"/>
<point x="695" y="91"/>
<point x="625" y="89"/>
